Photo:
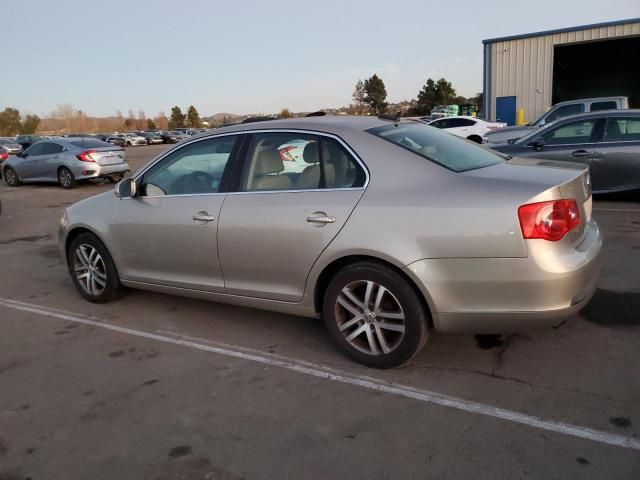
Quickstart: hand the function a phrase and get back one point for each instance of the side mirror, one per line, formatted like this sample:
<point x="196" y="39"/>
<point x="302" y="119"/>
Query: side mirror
<point x="126" y="188"/>
<point x="21" y="155"/>
<point x="537" y="144"/>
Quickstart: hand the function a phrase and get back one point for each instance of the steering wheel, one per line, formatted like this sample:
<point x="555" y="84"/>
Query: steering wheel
<point x="198" y="182"/>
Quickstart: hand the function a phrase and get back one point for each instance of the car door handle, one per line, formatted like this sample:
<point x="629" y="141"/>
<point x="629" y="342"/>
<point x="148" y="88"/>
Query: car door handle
<point x="203" y="217"/>
<point x="580" y="153"/>
<point x="320" y="217"/>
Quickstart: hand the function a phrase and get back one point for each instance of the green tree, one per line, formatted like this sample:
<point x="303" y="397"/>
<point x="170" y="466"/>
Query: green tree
<point x="151" y="125"/>
<point x="375" y="94"/>
<point x="177" y="118"/>
<point x="10" y="122"/>
<point x="193" y="117"/>
<point x="359" y="106"/>
<point x="434" y="93"/>
<point x="285" y="113"/>
<point x="30" y="124"/>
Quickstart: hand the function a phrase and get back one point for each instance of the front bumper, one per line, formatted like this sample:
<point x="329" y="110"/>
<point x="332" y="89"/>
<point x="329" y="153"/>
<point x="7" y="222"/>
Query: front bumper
<point x="506" y="295"/>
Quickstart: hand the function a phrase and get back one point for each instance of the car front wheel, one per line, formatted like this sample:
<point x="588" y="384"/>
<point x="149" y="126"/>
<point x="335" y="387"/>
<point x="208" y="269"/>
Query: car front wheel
<point x="92" y="269"/>
<point x="374" y="315"/>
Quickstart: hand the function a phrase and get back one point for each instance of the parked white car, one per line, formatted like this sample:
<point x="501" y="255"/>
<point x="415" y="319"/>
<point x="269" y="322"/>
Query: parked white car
<point x="471" y="128"/>
<point x="133" y="140"/>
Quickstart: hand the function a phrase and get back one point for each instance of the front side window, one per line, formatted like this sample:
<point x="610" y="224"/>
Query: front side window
<point x="196" y="168"/>
<point x="565" y="111"/>
<point x="597" y="106"/>
<point x="444" y="123"/>
<point x="35" y="149"/>
<point x="570" y="133"/>
<point x="622" y="130"/>
<point x="442" y="148"/>
<point x="298" y="161"/>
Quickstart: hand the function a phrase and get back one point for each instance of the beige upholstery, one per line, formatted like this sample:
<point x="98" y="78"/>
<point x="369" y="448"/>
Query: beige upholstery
<point x="269" y="163"/>
<point x="309" y="178"/>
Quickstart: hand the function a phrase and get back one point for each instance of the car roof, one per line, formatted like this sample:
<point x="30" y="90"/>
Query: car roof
<point x="328" y="124"/>
<point x="599" y="114"/>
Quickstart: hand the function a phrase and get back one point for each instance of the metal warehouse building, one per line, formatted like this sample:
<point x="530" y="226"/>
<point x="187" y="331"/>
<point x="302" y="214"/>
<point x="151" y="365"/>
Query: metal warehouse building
<point x="537" y="70"/>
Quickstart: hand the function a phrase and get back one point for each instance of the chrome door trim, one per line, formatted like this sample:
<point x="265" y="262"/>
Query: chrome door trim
<point x="274" y="130"/>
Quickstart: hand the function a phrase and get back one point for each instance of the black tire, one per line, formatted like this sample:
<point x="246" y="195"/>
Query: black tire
<point x="401" y="346"/>
<point x="112" y="288"/>
<point x="66" y="179"/>
<point x="11" y="177"/>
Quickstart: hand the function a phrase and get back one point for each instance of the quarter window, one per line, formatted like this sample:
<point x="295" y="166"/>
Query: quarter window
<point x="570" y="133"/>
<point x="196" y="168"/>
<point x="298" y="161"/>
<point x="622" y="130"/>
<point x="565" y="111"/>
<point x="597" y="106"/>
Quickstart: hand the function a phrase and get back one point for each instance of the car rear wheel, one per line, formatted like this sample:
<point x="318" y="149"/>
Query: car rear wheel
<point x="11" y="177"/>
<point x="66" y="178"/>
<point x="374" y="315"/>
<point x="92" y="269"/>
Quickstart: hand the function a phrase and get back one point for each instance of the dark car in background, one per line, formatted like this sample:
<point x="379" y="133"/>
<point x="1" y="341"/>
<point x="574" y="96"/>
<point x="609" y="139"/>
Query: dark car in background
<point x="167" y="137"/>
<point x="26" y="141"/>
<point x="607" y="141"/>
<point x="152" y="137"/>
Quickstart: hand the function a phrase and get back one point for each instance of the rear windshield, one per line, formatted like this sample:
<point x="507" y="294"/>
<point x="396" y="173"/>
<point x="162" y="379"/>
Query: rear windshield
<point x="438" y="146"/>
<point x="90" y="143"/>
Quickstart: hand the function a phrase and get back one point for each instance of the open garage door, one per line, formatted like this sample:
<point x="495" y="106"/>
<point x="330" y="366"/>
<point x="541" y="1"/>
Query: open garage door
<point x="597" y="69"/>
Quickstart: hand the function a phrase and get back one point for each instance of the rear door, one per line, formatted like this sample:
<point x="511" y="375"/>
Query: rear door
<point x="273" y="229"/>
<point x="616" y="163"/>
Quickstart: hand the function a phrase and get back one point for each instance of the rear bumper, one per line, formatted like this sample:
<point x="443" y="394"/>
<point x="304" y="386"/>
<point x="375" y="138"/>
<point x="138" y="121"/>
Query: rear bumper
<point x="101" y="171"/>
<point x="505" y="295"/>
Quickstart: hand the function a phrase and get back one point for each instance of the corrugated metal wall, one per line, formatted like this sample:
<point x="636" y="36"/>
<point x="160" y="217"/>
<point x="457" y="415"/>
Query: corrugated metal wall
<point x="523" y="67"/>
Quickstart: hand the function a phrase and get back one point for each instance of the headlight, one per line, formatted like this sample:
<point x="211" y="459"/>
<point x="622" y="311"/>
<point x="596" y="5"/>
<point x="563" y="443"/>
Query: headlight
<point x="64" y="220"/>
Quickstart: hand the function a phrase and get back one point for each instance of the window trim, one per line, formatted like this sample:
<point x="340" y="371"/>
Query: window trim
<point x="607" y="120"/>
<point x="595" y="132"/>
<point x="229" y="167"/>
<point x="240" y="158"/>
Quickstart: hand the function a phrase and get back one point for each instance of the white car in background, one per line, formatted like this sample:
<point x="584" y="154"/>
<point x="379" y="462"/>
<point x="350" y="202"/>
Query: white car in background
<point x="133" y="140"/>
<point x="471" y="128"/>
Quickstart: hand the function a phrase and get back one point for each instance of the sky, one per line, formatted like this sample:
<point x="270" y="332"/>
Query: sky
<point x="255" y="56"/>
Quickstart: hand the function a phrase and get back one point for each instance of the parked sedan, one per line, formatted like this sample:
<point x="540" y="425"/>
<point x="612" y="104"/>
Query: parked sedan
<point x="151" y="137"/>
<point x="66" y="161"/>
<point x="113" y="140"/>
<point x="393" y="229"/>
<point x="167" y="137"/>
<point x="608" y="142"/>
<point x="471" y="128"/>
<point x="9" y="145"/>
<point x="134" y="139"/>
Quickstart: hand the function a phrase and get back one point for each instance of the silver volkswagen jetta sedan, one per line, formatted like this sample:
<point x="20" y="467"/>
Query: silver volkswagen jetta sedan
<point x="394" y="228"/>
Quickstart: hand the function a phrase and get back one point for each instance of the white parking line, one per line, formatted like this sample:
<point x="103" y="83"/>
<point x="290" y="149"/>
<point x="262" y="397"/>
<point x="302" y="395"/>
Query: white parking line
<point x="320" y="371"/>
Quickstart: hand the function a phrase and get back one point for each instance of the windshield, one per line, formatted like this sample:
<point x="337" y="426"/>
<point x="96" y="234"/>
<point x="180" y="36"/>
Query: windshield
<point x="438" y="146"/>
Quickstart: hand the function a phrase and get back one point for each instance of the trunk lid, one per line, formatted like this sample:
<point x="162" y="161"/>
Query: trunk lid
<point x="537" y="180"/>
<point x="108" y="156"/>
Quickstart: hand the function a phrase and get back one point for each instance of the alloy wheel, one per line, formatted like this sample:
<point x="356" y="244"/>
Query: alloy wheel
<point x="65" y="177"/>
<point x="90" y="269"/>
<point x="370" y="317"/>
<point x="10" y="177"/>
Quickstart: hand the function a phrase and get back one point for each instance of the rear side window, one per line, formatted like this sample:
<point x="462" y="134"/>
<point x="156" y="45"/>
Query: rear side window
<point x="89" y="143"/>
<point x="565" y="111"/>
<point x="442" y="148"/>
<point x="622" y="130"/>
<point x="597" y="106"/>
<point x="298" y="161"/>
<point x="50" y="149"/>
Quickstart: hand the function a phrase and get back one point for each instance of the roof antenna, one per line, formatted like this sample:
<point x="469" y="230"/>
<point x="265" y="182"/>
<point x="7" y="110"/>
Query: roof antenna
<point x="395" y="118"/>
<point x="319" y="113"/>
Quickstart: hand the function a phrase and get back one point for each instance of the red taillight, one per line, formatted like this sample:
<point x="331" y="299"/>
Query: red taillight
<point x="86" y="156"/>
<point x="285" y="156"/>
<point x="549" y="220"/>
<point x="4" y="156"/>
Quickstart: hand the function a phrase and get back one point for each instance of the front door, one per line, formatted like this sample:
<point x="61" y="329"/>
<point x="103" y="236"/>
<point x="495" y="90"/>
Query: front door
<point x="167" y="234"/>
<point x="276" y="226"/>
